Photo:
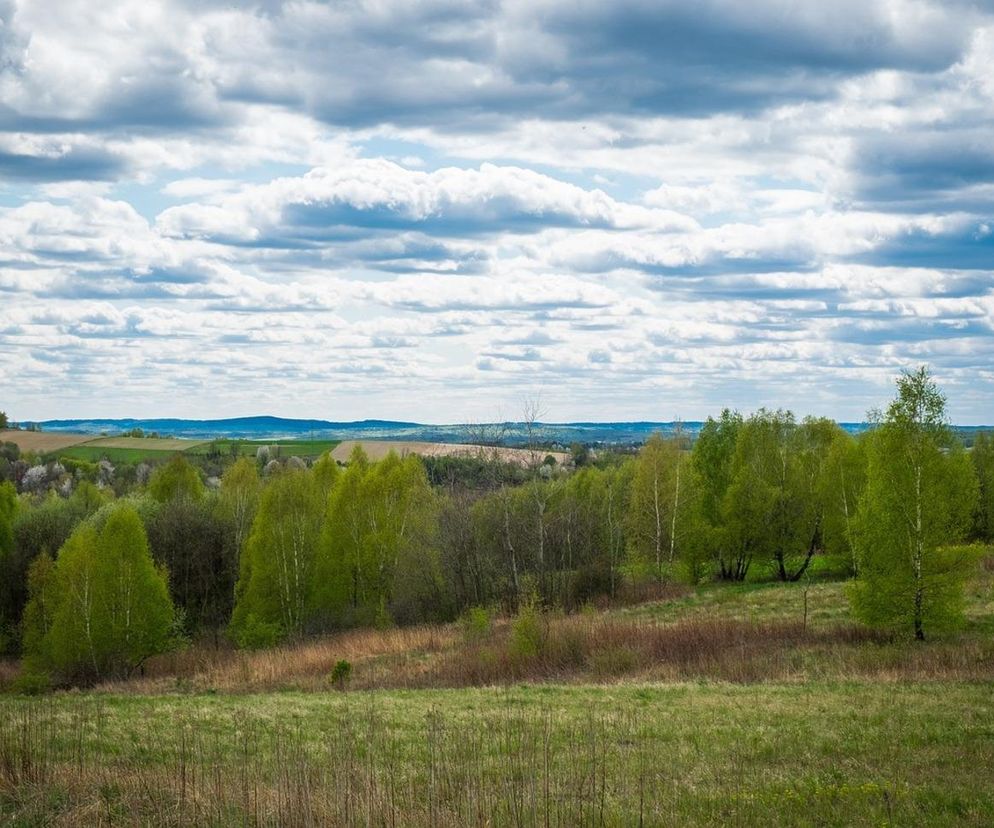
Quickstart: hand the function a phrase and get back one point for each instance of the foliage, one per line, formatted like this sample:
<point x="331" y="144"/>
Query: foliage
<point x="476" y="624"/>
<point x="275" y="580"/>
<point x="712" y="459"/>
<point x="103" y="608"/>
<point x="920" y="495"/>
<point x="527" y="632"/>
<point x="195" y="541"/>
<point x="982" y="456"/>
<point x="341" y="673"/>
<point x="657" y="515"/>
<point x="377" y="545"/>
<point x="176" y="479"/>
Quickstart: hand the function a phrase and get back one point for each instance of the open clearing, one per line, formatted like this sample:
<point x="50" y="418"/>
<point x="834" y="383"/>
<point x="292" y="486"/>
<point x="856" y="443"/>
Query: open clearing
<point x="41" y="441"/>
<point x="706" y="707"/>
<point x="378" y="449"/>
<point x="682" y="754"/>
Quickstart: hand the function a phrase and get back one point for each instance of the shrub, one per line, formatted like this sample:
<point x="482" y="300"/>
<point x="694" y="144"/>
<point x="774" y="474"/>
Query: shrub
<point x="527" y="633"/>
<point x="253" y="633"/>
<point x="477" y="624"/>
<point x="341" y="673"/>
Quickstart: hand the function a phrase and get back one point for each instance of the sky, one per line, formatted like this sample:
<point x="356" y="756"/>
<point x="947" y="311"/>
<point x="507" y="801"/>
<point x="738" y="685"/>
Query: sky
<point x="630" y="210"/>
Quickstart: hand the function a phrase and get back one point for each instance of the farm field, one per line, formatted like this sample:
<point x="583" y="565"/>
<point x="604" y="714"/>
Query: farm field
<point x="378" y="449"/>
<point x="42" y="442"/>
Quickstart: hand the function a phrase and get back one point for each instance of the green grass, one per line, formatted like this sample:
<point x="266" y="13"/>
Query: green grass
<point x="686" y="754"/>
<point x="94" y="454"/>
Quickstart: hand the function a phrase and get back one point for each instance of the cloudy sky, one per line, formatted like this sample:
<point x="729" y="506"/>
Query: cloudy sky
<point x="636" y="209"/>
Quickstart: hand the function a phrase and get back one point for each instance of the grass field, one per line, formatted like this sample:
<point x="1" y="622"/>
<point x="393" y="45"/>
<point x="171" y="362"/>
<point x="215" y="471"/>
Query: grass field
<point x="128" y="449"/>
<point x="714" y="705"/>
<point x="680" y="754"/>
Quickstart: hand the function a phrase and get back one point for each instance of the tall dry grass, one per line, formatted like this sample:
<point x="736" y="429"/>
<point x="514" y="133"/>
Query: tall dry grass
<point x="578" y="648"/>
<point x="306" y="664"/>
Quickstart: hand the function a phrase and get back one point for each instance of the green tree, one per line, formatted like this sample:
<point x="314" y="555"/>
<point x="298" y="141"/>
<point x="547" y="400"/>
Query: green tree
<point x="281" y="552"/>
<point x="4" y="424"/>
<point x="378" y="544"/>
<point x="918" y="503"/>
<point x="195" y="541"/>
<point x="658" y="505"/>
<point x="983" y="463"/>
<point x="39" y="612"/>
<point x="840" y="489"/>
<point x="105" y="608"/>
<point x="712" y="458"/>
<point x="241" y="489"/>
<point x="8" y="512"/>
<point x="177" y="478"/>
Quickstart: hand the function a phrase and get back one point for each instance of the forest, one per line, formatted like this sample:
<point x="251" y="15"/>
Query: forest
<point x="104" y="567"/>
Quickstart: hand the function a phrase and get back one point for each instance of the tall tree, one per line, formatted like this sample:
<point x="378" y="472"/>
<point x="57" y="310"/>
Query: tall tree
<point x="712" y="458"/>
<point x="8" y="578"/>
<point x="241" y="489"/>
<point x="104" y="607"/>
<point x="983" y="462"/>
<point x="382" y="519"/>
<point x="656" y="508"/>
<point x="919" y="500"/>
<point x="177" y="478"/>
<point x="841" y="486"/>
<point x="194" y="540"/>
<point x="281" y="551"/>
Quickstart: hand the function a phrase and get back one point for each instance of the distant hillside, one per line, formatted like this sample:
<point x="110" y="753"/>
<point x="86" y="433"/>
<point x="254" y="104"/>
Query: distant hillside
<point x="512" y="434"/>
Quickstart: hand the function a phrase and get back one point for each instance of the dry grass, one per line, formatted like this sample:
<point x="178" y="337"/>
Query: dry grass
<point x="572" y="649"/>
<point x="305" y="665"/>
<point x="43" y="441"/>
<point x="378" y="449"/>
<point x="8" y="672"/>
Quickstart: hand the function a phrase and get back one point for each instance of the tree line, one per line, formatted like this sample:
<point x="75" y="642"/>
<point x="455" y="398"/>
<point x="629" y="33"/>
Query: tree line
<point x="92" y="584"/>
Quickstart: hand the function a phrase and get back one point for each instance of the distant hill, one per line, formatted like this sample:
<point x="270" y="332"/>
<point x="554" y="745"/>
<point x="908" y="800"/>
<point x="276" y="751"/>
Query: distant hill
<point x="512" y="433"/>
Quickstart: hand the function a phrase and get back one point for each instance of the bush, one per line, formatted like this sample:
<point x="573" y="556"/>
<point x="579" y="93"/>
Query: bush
<point x="477" y="624"/>
<point x="32" y="683"/>
<point x="341" y="673"/>
<point x="527" y="633"/>
<point x="255" y="634"/>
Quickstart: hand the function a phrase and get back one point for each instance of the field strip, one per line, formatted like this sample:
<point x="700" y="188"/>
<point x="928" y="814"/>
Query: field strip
<point x="378" y="449"/>
<point x="43" y="441"/>
<point x="146" y="443"/>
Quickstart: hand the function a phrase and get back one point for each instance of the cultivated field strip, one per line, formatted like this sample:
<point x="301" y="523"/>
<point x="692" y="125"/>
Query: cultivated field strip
<point x="378" y="449"/>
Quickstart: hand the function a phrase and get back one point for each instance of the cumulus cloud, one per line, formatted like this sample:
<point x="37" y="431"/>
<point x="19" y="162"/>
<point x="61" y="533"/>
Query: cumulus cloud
<point x="648" y="209"/>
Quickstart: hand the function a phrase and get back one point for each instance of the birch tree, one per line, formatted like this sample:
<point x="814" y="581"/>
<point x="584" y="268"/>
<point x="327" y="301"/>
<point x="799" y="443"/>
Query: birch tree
<point x="920" y="495"/>
<point x="104" y="608"/>
<point x="281" y="550"/>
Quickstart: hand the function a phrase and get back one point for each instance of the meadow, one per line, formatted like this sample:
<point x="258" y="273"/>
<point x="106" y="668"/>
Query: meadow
<point x="704" y="706"/>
